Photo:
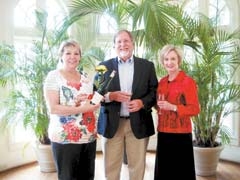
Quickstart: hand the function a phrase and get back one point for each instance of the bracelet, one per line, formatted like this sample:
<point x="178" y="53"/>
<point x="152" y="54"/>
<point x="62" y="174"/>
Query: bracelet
<point x="174" y="108"/>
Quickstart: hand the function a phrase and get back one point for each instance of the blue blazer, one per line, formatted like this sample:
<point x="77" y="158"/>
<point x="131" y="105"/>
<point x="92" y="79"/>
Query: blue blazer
<point x="144" y="87"/>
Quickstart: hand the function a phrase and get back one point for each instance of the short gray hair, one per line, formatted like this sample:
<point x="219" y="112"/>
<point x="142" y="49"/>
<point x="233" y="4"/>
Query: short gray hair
<point x="121" y="31"/>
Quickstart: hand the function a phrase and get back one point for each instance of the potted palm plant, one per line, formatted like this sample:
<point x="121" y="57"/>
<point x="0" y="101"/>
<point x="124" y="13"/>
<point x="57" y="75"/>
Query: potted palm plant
<point x="214" y="65"/>
<point x="214" y="62"/>
<point x="26" y="105"/>
<point x="26" y="71"/>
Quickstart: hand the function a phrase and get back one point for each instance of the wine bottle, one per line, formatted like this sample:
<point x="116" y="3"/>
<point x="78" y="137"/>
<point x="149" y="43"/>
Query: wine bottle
<point x="102" y="89"/>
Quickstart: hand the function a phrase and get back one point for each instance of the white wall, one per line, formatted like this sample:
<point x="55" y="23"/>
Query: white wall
<point x="12" y="155"/>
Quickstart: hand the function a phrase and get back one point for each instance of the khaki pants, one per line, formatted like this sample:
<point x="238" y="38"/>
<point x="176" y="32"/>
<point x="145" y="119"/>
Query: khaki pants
<point x="113" y="153"/>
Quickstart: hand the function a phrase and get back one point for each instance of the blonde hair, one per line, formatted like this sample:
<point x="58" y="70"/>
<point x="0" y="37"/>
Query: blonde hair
<point x="170" y="47"/>
<point x="68" y="43"/>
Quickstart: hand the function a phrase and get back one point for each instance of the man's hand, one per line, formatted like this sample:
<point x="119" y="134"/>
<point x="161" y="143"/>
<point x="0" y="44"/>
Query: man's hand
<point x="135" y="105"/>
<point x="119" y="96"/>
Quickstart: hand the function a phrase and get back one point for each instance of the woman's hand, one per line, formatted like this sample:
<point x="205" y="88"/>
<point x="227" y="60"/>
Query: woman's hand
<point x="90" y="107"/>
<point x="165" y="105"/>
<point x="80" y="98"/>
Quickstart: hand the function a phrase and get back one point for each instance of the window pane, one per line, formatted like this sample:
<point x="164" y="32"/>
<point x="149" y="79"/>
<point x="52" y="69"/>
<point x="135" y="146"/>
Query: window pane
<point x="24" y="14"/>
<point x="219" y="12"/>
<point x="191" y="8"/>
<point x="55" y="13"/>
<point x="107" y="24"/>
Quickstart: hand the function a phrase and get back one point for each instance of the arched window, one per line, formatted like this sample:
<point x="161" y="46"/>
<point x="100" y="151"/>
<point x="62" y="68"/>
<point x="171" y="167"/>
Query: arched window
<point x="24" y="16"/>
<point x="217" y="10"/>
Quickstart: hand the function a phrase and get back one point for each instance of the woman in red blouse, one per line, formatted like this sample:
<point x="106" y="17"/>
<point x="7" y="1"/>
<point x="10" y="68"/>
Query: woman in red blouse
<point x="177" y="103"/>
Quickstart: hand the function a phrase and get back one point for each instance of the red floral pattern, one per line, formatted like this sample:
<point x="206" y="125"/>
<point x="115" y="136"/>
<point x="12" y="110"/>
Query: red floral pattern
<point x="74" y="85"/>
<point x="73" y="132"/>
<point x="89" y="121"/>
<point x="76" y="128"/>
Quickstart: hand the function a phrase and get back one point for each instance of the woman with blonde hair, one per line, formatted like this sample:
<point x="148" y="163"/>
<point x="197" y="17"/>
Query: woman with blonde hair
<point x="72" y="128"/>
<point x="177" y="101"/>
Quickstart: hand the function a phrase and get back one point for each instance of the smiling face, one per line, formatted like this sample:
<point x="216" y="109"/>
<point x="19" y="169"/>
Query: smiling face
<point x="70" y="57"/>
<point x="171" y="61"/>
<point x="124" y="46"/>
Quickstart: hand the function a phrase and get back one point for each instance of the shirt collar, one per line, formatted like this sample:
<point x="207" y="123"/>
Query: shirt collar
<point x="130" y="60"/>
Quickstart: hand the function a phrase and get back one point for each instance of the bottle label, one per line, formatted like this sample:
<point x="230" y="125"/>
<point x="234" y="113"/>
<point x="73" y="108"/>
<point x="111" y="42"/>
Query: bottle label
<point x="97" y="98"/>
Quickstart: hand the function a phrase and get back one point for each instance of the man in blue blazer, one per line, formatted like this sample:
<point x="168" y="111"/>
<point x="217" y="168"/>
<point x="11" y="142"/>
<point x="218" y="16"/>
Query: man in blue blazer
<point x="125" y="115"/>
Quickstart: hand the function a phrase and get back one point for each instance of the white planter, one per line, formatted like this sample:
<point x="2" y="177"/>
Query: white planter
<point x="45" y="158"/>
<point x="206" y="160"/>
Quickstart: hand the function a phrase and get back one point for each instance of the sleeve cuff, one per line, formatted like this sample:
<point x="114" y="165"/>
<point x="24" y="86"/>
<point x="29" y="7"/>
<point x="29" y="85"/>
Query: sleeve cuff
<point x="106" y="97"/>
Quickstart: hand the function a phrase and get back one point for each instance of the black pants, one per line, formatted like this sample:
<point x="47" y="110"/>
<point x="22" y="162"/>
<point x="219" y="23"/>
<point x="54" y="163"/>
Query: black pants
<point x="75" y="161"/>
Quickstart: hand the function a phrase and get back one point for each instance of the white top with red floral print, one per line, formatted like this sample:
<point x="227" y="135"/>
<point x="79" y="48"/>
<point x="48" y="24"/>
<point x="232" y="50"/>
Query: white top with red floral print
<point x="77" y="128"/>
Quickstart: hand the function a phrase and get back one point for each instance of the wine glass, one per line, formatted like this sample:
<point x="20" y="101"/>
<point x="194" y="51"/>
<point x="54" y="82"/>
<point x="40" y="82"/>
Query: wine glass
<point x="160" y="98"/>
<point x="130" y="94"/>
<point x="127" y="102"/>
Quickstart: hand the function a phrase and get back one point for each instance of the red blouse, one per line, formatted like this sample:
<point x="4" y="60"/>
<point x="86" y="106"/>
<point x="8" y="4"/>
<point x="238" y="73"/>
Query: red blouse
<point x="182" y="91"/>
